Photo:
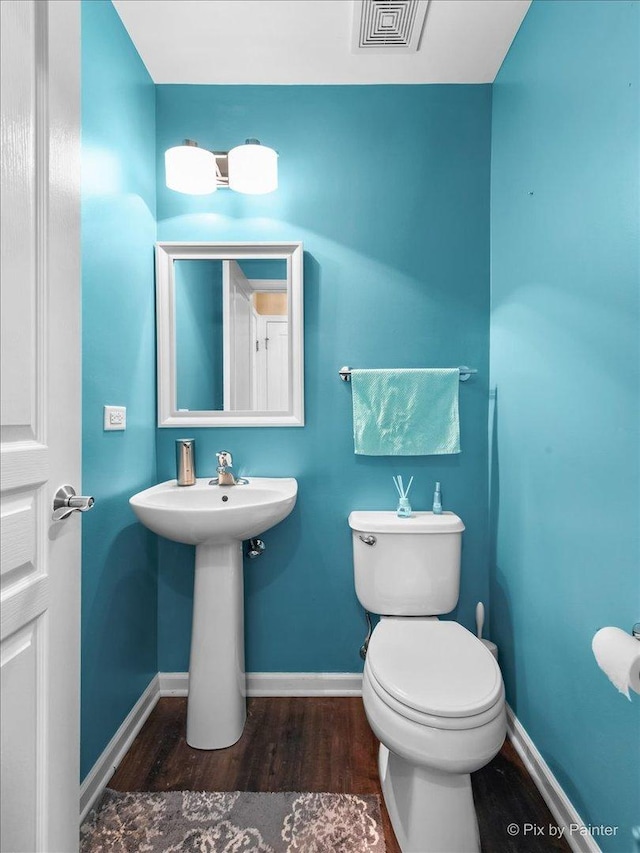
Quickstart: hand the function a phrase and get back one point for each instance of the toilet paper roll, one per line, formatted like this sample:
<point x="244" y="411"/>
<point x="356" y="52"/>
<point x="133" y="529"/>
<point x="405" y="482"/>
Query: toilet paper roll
<point x="491" y="646"/>
<point x="618" y="656"/>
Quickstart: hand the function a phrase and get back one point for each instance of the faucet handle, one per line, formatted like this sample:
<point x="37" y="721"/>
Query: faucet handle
<point x="225" y="460"/>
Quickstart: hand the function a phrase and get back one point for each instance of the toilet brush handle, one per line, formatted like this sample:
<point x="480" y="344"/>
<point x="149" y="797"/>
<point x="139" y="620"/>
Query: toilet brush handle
<point x="479" y="618"/>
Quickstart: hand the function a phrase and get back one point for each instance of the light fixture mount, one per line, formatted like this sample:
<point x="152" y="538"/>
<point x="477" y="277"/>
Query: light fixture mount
<point x="222" y="168"/>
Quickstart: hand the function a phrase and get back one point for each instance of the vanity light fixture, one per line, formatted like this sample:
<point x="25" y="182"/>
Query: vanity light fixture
<point x="251" y="168"/>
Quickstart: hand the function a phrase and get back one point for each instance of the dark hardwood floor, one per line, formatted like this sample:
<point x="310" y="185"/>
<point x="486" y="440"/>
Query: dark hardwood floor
<point x="319" y="744"/>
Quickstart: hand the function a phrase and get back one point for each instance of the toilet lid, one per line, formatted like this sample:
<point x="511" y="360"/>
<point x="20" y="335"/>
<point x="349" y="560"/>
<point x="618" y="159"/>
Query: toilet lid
<point x="434" y="667"/>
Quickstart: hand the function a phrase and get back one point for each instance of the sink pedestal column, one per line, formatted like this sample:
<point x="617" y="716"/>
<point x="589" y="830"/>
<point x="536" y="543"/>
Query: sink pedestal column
<point x="216" y="710"/>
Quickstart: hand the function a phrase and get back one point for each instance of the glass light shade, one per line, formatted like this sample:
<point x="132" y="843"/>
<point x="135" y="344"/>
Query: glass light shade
<point x="253" y="168"/>
<point x="191" y="170"/>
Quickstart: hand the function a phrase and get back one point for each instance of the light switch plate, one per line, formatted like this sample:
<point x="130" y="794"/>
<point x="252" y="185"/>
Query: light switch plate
<point x="115" y="417"/>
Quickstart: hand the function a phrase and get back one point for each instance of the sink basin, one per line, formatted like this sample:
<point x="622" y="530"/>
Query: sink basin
<point x="206" y="515"/>
<point x="216" y="519"/>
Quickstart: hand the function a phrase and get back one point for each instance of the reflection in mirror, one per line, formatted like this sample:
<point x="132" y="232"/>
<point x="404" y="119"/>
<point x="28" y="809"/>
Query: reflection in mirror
<point x="198" y="307"/>
<point x="232" y="339"/>
<point x="229" y="334"/>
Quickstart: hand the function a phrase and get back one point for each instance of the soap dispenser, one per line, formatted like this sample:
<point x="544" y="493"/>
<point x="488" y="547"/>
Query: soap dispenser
<point x="186" y="461"/>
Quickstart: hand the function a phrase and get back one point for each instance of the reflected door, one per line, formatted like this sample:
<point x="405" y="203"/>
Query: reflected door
<point x="272" y="354"/>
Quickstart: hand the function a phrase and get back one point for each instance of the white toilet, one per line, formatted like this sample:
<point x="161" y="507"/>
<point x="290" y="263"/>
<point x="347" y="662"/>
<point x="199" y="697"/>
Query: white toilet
<point x="432" y="692"/>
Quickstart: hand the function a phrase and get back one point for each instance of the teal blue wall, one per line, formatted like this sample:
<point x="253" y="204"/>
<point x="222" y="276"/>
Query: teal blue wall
<point x="118" y="231"/>
<point x="388" y="188"/>
<point x="198" y="329"/>
<point x="565" y="360"/>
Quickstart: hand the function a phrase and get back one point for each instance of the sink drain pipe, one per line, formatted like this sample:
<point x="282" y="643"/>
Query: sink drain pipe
<point x="255" y="548"/>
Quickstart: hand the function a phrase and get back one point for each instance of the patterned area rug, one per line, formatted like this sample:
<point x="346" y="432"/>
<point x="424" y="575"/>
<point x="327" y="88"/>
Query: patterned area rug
<point x="233" y="822"/>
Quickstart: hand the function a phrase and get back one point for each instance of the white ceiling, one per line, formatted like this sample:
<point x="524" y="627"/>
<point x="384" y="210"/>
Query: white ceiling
<point x="309" y="41"/>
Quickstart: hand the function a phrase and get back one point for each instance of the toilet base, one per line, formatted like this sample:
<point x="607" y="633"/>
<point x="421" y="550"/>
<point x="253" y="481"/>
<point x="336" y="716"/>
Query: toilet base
<point x="431" y="811"/>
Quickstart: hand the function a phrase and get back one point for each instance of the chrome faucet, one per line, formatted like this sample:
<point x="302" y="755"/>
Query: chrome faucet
<point x="225" y="477"/>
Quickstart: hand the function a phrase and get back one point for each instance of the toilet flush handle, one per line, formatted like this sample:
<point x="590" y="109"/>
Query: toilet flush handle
<point x="368" y="540"/>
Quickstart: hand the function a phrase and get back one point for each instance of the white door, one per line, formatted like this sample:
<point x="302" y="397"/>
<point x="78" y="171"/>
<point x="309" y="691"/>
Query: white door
<point x="40" y="424"/>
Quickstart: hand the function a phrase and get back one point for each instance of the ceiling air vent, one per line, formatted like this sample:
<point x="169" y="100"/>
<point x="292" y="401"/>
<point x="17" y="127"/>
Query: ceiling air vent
<point x="388" y="26"/>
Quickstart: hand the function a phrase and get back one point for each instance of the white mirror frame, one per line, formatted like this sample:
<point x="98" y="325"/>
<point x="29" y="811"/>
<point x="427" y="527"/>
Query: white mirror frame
<point x="166" y="254"/>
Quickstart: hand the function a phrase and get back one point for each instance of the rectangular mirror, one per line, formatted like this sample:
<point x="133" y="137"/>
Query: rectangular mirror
<point x="230" y="334"/>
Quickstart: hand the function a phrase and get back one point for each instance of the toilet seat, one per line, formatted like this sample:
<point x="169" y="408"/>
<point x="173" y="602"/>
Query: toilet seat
<point x="431" y="720"/>
<point x="434" y="673"/>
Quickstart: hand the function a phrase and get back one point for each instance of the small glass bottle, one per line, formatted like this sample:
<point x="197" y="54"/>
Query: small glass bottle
<point x="404" y="508"/>
<point x="437" y="501"/>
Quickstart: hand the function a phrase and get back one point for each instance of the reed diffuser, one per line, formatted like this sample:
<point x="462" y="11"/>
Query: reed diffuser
<point x="404" y="507"/>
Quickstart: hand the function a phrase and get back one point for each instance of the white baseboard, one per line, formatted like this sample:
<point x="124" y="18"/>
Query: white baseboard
<point x="559" y="804"/>
<point x="304" y="684"/>
<point x="278" y="683"/>
<point x="173" y="683"/>
<point x="98" y="777"/>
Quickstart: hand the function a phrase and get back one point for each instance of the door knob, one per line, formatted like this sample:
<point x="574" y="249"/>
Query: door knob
<point x="65" y="501"/>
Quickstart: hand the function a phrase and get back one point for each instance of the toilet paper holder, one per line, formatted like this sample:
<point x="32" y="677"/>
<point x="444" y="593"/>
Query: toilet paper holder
<point x="617" y="653"/>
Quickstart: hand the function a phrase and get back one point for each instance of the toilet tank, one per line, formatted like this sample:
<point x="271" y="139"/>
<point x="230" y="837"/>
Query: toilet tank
<point x="406" y="566"/>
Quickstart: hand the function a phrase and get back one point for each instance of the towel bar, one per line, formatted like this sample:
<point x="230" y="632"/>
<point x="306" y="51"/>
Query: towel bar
<point x="465" y="372"/>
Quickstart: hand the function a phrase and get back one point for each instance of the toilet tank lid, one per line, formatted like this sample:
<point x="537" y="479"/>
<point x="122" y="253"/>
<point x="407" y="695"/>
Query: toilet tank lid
<point x="369" y="521"/>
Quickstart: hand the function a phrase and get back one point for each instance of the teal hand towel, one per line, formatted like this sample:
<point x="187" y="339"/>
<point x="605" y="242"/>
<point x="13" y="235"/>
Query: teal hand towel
<point x="406" y="412"/>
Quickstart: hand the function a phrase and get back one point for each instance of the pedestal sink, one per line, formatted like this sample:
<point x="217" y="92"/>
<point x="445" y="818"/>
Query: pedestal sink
<point x="216" y="519"/>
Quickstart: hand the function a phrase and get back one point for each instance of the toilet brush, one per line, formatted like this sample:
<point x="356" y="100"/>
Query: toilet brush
<point x="479" y="618"/>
